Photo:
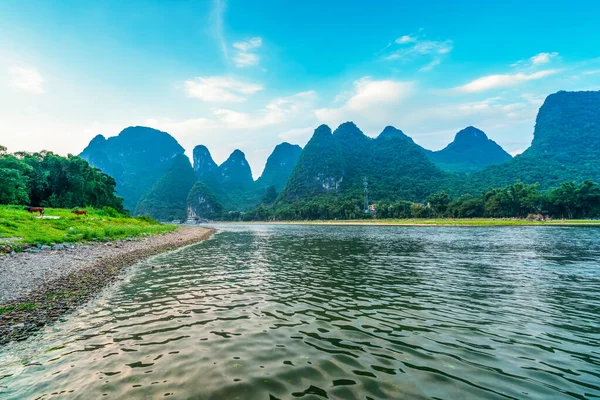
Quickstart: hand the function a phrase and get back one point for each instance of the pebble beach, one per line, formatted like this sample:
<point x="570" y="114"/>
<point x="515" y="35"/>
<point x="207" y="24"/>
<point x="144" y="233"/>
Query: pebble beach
<point x="38" y="287"/>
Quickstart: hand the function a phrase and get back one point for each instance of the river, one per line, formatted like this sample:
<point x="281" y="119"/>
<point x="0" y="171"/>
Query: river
<point x="365" y="312"/>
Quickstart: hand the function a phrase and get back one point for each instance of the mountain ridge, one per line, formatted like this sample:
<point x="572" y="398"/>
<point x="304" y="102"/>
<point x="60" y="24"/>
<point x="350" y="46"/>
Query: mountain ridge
<point x="470" y="151"/>
<point x="135" y="158"/>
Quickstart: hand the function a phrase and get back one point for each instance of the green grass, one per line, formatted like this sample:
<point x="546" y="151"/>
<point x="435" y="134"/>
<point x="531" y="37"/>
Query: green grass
<point x="17" y="226"/>
<point x="448" y="222"/>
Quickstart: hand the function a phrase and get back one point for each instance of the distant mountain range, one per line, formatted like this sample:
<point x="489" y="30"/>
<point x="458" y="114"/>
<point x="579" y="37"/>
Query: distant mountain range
<point x="154" y="176"/>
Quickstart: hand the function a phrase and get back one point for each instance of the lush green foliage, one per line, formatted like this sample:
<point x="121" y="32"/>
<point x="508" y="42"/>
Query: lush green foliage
<point x="518" y="200"/>
<point x="45" y="179"/>
<point x="270" y="196"/>
<point x="445" y="222"/>
<point x="107" y="223"/>
<point x="569" y="200"/>
<point x="167" y="199"/>
<point x="337" y="164"/>
<point x="319" y="169"/>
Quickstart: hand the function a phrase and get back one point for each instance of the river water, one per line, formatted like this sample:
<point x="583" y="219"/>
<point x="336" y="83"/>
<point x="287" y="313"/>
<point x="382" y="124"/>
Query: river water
<point x="284" y="312"/>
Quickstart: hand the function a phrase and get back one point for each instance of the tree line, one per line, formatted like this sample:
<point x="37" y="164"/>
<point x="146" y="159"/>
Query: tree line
<point x="569" y="201"/>
<point x="49" y="180"/>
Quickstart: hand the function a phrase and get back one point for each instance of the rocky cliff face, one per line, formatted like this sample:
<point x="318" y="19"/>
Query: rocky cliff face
<point x="202" y="203"/>
<point x="136" y="159"/>
<point x="204" y="165"/>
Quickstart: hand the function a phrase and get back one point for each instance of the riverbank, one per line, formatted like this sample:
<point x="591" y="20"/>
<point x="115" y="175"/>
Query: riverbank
<point x="438" y="222"/>
<point x="38" y="288"/>
<point x="20" y="229"/>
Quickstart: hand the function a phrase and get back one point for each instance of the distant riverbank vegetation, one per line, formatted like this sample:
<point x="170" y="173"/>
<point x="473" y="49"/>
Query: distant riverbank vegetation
<point x="519" y="201"/>
<point x="48" y="180"/>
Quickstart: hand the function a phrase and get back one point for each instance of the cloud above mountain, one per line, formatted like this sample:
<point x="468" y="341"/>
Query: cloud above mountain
<point x="220" y="89"/>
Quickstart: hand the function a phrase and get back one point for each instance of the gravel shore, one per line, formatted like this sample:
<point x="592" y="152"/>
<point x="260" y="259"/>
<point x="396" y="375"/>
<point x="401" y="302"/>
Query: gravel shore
<point x="38" y="288"/>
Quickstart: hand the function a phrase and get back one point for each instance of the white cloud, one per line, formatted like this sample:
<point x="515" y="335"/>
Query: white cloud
<point x="410" y="48"/>
<point x="249" y="44"/>
<point x="542" y="58"/>
<point x="277" y="111"/>
<point x="502" y="80"/>
<point x="243" y="60"/>
<point x="517" y="152"/>
<point x="220" y="89"/>
<point x="222" y="130"/>
<point x="591" y="72"/>
<point x="246" y="52"/>
<point x="297" y="134"/>
<point x="405" y="39"/>
<point x="538" y="59"/>
<point x="370" y="99"/>
<point x="26" y="79"/>
<point x="422" y="48"/>
<point x="431" y="65"/>
<point x="183" y="127"/>
<point x="216" y="21"/>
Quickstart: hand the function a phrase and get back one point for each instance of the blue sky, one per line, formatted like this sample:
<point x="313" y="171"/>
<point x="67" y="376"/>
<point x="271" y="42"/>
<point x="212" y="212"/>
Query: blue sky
<point x="250" y="74"/>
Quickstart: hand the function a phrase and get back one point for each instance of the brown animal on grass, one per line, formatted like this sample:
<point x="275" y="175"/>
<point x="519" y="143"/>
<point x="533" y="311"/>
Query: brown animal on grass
<point x="79" y="212"/>
<point x="35" y="210"/>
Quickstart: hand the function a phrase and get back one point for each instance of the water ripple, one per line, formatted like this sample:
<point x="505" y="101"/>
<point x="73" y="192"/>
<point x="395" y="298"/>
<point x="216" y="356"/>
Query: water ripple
<point x="279" y="312"/>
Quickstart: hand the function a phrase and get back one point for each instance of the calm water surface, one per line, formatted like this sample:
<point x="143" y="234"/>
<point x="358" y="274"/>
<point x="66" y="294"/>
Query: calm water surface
<point x="283" y="312"/>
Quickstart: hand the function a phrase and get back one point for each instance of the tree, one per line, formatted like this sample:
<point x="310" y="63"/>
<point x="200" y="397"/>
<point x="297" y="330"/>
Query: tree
<point x="589" y="199"/>
<point x="13" y="187"/>
<point x="466" y="206"/>
<point x="45" y="179"/>
<point x="439" y="203"/>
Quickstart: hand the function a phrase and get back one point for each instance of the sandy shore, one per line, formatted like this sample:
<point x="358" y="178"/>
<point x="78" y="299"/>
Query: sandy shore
<point x="36" y="289"/>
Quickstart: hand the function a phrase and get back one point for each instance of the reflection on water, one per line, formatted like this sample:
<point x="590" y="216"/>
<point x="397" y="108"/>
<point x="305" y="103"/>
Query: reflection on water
<point x="279" y="312"/>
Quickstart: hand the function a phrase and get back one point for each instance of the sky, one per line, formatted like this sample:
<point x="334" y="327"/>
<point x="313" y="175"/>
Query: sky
<point x="244" y="74"/>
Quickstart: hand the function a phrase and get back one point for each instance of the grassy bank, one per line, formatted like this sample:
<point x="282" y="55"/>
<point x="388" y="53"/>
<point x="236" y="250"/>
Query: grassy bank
<point x="448" y="222"/>
<point x="17" y="226"/>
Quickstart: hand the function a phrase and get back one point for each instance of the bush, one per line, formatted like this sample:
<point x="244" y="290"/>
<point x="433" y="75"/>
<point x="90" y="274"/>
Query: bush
<point x="147" y="219"/>
<point x="109" y="212"/>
